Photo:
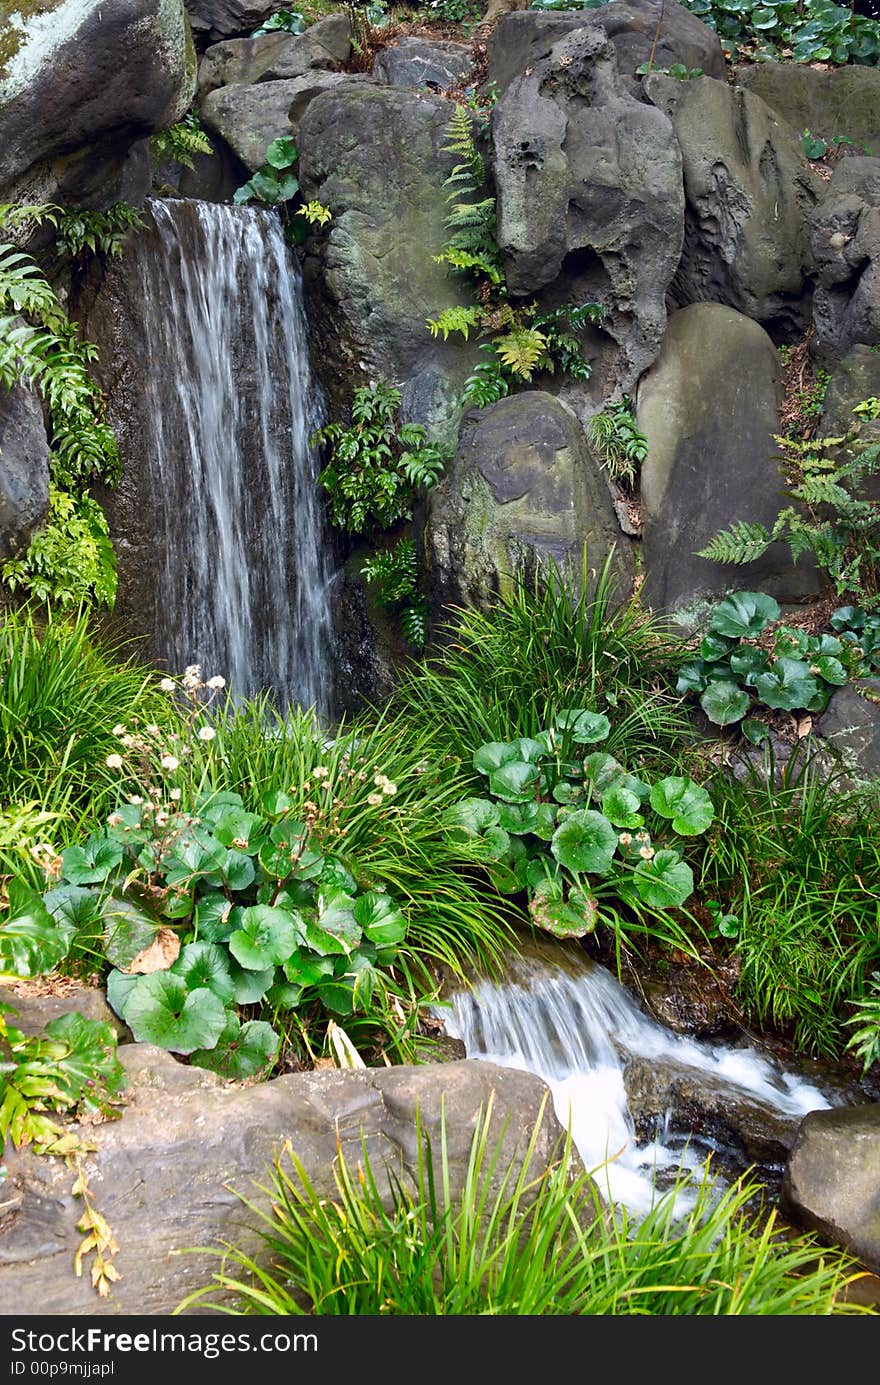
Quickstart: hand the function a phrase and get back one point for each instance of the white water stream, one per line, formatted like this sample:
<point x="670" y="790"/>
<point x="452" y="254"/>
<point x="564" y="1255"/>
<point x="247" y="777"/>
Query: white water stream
<point x="241" y="566"/>
<point x="565" y="1018"/>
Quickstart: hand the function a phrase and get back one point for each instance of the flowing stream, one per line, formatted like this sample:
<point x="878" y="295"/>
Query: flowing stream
<point x="565" y="1018"/>
<point x="241" y="566"/>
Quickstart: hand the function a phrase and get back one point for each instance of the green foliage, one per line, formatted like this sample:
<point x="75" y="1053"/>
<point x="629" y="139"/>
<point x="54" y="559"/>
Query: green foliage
<point x="525" y="1239"/>
<point x="807" y="31"/>
<point x="553" y="640"/>
<point x="70" y="562"/>
<point x="615" y="435"/>
<point x="80" y="232"/>
<point x="734" y="672"/>
<point x="679" y="70"/>
<point x="581" y="835"/>
<point x="288" y="21"/>
<point x="62" y="691"/>
<point x="394" y="576"/>
<point x="523" y="341"/>
<point x="71" y="1069"/>
<point x="865" y="1042"/>
<point x="789" y="853"/>
<point x="376" y="464"/>
<point x="274" y="181"/>
<point x="181" y="142"/>
<point x="831" y="518"/>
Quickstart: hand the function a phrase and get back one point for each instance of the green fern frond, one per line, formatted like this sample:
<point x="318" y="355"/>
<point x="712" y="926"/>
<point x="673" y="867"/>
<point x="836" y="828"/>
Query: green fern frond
<point x="741" y="543"/>
<point x="182" y="141"/>
<point x="460" y="141"/>
<point x="456" y="319"/>
<point x="521" y="350"/>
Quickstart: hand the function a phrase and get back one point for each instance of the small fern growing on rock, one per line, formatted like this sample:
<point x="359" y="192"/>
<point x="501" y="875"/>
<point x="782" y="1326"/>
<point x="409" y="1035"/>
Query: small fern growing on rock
<point x="394" y="575"/>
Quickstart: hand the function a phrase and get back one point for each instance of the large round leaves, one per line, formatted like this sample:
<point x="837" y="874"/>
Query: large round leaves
<point x="743" y="615"/>
<point x="584" y="727"/>
<point x="205" y="964"/>
<point x="161" y="1009"/>
<point x="664" y="882"/>
<point x="585" y="841"/>
<point x="685" y="803"/>
<point x="242" y="1050"/>
<point x="266" y="937"/>
<point x="91" y="863"/>
<point x="32" y="940"/>
<point x="564" y="918"/>
<point x="724" y="703"/>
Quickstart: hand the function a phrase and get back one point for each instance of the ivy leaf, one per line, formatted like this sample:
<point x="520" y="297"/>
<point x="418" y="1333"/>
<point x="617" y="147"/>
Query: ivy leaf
<point x="32" y="940"/>
<point x="161" y="1009"/>
<point x="266" y="937"/>
<point x="686" y="803"/>
<point x="743" y="615"/>
<point x="205" y="964"/>
<point x="242" y="1050"/>
<point x="585" y="841"/>
<point x="724" y="703"/>
<point x="664" y="882"/>
<point x="91" y="863"/>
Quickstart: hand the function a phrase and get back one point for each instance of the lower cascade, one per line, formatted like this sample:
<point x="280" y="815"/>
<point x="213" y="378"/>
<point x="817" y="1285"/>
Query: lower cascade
<point x="242" y="570"/>
<point x="565" y="1018"/>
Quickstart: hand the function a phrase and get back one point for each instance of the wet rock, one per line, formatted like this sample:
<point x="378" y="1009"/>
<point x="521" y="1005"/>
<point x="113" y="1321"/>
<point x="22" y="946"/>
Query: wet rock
<point x="166" y="1174"/>
<point x="423" y="63"/>
<point x="749" y="193"/>
<point x="691" y="1102"/>
<point x="249" y="118"/>
<point x="523" y="39"/>
<point x="589" y="193"/>
<point x="84" y="85"/>
<point x="522" y="489"/>
<point x="831" y="101"/>
<point x="276" y="56"/>
<point x="24" y="469"/>
<point x="845" y="234"/>
<point x="689" y="1000"/>
<point x="709" y="409"/>
<point x="832" y="1177"/>
<point x="850" y="725"/>
<point x="375" y="155"/>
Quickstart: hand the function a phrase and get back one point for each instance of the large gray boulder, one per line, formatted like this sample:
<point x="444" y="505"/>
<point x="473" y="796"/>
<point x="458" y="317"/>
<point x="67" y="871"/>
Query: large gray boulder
<point x="845" y="234"/>
<point x="827" y="101"/>
<point x="24" y="469"/>
<point x="832" y="1179"/>
<point x="522" y="489"/>
<point x="375" y="155"/>
<point x="213" y="20"/>
<point x="167" y="1173"/>
<point x="589" y="194"/>
<point x="420" y="63"/>
<point x="248" y="118"/>
<point x="709" y="409"/>
<point x="85" y="81"/>
<point x="749" y="193"/>
<point x="276" y="56"/>
<point x="520" y="40"/>
<point x="855" y="379"/>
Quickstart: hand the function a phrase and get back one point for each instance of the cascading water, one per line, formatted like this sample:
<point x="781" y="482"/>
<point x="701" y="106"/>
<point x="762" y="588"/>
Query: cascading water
<point x="563" y="1017"/>
<point x="241" y="566"/>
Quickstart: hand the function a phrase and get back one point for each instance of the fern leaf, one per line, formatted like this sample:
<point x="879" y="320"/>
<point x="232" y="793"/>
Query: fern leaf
<point x="521" y="350"/>
<point x="741" y="543"/>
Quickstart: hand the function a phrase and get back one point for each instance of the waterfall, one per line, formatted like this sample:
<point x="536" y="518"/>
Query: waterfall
<point x="231" y="405"/>
<point x="566" y="1019"/>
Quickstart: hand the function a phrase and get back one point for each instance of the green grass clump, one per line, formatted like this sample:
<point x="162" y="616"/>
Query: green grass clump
<point x="528" y="1239"/>
<point x="62" y="691"/>
<point x="505" y="672"/>
<point x="797" y="861"/>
